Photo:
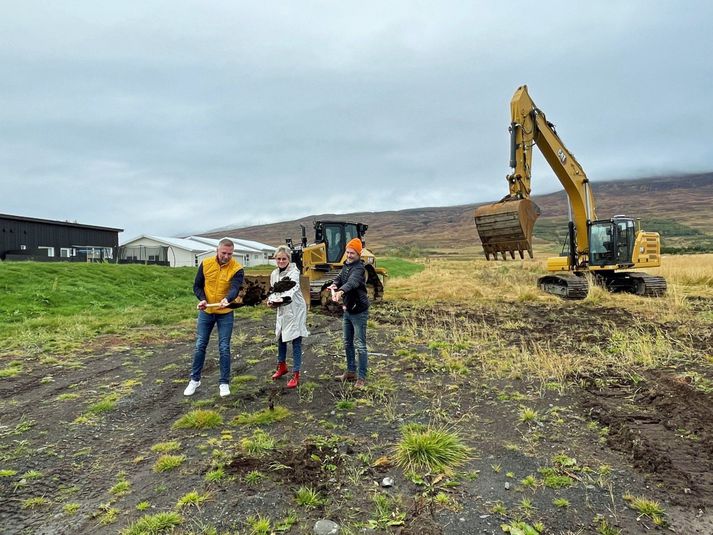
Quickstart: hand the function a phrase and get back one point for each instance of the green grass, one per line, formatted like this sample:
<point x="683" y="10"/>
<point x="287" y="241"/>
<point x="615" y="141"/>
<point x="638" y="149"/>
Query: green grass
<point x="71" y="508"/>
<point x="259" y="444"/>
<point x="59" y="307"/>
<point x="346" y="404"/>
<point x="308" y="497"/>
<point x="253" y="477"/>
<point x="398" y="267"/>
<point x="34" y="503"/>
<point x="122" y="488"/>
<point x="431" y="450"/>
<point x="263" y="417"/>
<point x="166" y="447"/>
<point x="106" y="404"/>
<point x="67" y="397"/>
<point x="259" y="525"/>
<point x="199" y="419"/>
<point x="645" y="506"/>
<point x="154" y="524"/>
<point x="215" y="475"/>
<point x="168" y="462"/>
<point x="11" y="370"/>
<point x="193" y="498"/>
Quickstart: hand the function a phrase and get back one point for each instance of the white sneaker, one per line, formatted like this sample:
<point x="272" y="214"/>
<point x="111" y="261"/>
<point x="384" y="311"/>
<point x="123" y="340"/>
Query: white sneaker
<point x="191" y="388"/>
<point x="224" y="390"/>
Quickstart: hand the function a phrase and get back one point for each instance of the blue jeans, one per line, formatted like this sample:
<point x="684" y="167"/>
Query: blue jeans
<point x="354" y="326"/>
<point x="206" y="322"/>
<point x="296" y="353"/>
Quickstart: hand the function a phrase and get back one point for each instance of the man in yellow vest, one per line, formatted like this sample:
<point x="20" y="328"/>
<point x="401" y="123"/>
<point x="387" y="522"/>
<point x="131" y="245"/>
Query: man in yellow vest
<point x="217" y="284"/>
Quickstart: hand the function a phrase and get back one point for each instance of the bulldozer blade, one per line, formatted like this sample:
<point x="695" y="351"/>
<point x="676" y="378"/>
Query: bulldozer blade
<point x="506" y="227"/>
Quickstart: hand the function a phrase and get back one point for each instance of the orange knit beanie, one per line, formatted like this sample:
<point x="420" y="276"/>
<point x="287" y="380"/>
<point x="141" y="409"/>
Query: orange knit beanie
<point x="355" y="244"/>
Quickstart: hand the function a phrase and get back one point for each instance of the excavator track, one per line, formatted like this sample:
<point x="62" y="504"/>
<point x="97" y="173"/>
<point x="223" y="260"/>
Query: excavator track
<point x="565" y="286"/>
<point x="636" y="283"/>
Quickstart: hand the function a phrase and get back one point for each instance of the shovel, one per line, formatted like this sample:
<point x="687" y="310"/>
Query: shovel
<point x="232" y="304"/>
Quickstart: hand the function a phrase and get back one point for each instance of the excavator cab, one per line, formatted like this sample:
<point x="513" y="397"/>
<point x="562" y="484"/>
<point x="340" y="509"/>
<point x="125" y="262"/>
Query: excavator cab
<point x="506" y="226"/>
<point x="611" y="242"/>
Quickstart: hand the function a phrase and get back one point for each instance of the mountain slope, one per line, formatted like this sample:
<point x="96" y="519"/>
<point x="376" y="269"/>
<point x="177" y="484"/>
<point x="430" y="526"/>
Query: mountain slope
<point x="679" y="207"/>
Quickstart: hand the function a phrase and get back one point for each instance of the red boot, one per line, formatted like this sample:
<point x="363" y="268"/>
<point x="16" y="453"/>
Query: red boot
<point x="281" y="370"/>
<point x="292" y="383"/>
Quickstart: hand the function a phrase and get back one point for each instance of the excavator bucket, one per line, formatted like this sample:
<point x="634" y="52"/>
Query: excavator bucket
<point x="506" y="227"/>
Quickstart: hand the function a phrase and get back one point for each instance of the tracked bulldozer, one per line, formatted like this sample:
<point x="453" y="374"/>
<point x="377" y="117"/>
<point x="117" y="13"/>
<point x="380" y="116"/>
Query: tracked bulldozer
<point x="320" y="261"/>
<point x="605" y="248"/>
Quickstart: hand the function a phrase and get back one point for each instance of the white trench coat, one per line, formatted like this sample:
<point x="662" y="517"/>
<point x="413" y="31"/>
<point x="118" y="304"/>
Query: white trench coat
<point x="291" y="321"/>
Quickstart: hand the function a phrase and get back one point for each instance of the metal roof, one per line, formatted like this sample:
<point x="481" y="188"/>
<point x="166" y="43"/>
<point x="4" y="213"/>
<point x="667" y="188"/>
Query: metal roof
<point x="55" y="222"/>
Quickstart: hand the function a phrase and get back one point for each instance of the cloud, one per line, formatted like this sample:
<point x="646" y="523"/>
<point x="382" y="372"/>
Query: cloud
<point x="170" y="118"/>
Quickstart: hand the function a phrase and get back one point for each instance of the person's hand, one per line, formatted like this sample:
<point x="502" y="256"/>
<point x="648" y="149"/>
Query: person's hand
<point x="336" y="296"/>
<point x="223" y="302"/>
<point x="202" y="305"/>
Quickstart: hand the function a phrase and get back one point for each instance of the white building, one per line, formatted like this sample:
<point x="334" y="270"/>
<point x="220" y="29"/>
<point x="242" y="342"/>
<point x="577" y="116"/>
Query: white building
<point x="182" y="252"/>
<point x="247" y="252"/>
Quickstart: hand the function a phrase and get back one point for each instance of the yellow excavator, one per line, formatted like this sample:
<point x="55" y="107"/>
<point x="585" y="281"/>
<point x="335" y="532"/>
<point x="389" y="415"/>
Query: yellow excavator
<point x="319" y="263"/>
<point x="605" y="248"/>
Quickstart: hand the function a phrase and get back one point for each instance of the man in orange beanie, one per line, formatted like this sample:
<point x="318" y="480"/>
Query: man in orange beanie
<point x="350" y="286"/>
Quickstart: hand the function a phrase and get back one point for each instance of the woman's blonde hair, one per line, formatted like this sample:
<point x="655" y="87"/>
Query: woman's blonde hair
<point x="283" y="249"/>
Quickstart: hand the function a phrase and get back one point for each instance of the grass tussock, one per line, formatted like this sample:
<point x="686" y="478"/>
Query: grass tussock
<point x="192" y="499"/>
<point x="259" y="444"/>
<point x="168" y="462"/>
<point x="646" y="507"/>
<point x="430" y="450"/>
<point x="199" y="419"/>
<point x="154" y="524"/>
<point x="166" y="447"/>
<point x="263" y="417"/>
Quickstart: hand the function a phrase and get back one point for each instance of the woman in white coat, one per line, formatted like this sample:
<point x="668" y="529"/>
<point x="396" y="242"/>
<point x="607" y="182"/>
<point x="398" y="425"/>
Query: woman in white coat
<point x="291" y="321"/>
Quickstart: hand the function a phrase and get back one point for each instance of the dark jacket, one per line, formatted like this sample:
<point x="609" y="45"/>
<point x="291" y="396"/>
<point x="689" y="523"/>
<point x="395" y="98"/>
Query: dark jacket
<point x="352" y="281"/>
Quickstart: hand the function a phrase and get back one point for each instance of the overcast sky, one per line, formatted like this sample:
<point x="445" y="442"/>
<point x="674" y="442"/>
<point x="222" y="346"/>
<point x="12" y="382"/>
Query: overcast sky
<point x="165" y="117"/>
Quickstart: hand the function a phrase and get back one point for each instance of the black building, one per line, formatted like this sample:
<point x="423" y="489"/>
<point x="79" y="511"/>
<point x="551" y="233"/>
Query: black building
<point x="27" y="238"/>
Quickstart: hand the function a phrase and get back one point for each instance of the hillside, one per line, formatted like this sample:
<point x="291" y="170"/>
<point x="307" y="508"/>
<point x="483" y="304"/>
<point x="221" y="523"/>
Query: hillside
<point x="679" y="207"/>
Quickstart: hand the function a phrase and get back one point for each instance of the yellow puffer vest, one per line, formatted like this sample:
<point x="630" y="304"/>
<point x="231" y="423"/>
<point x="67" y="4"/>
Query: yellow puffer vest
<point x="217" y="281"/>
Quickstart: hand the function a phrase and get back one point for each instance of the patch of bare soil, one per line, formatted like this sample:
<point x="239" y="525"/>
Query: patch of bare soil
<point x="62" y="456"/>
<point x="664" y="425"/>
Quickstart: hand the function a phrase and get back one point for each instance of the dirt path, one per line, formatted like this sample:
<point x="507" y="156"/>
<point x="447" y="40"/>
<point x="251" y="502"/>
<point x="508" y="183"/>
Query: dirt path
<point x="63" y="452"/>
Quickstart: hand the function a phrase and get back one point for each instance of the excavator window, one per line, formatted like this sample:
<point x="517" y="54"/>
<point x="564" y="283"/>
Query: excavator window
<point x="611" y="242"/>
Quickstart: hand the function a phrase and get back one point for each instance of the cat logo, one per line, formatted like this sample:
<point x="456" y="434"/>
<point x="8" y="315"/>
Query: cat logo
<point x="562" y="156"/>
